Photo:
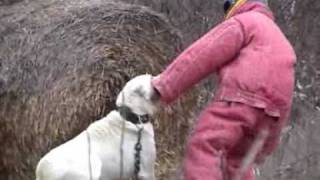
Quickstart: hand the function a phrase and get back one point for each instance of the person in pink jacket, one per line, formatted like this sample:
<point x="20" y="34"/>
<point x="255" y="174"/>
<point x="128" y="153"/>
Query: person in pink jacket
<point x="255" y="65"/>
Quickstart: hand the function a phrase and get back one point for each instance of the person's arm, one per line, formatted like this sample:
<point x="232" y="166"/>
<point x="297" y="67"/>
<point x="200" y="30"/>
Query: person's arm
<point x="205" y="56"/>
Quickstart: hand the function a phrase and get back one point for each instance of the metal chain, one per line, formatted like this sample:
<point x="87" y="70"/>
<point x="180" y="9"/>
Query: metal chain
<point x="122" y="142"/>
<point x="121" y="149"/>
<point x="137" y="155"/>
<point x="89" y="155"/>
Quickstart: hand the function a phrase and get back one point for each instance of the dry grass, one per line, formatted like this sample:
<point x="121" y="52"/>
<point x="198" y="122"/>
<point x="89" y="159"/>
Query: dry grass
<point x="62" y="65"/>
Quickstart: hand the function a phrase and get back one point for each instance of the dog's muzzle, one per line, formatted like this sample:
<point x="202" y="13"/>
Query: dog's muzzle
<point x="128" y="115"/>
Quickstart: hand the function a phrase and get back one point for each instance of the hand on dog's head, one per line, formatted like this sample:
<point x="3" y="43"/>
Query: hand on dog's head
<point x="137" y="95"/>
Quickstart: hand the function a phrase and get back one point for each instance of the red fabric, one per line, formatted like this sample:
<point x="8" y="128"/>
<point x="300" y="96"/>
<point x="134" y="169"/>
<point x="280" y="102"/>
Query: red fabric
<point x="254" y="61"/>
<point x="255" y="65"/>
<point x="224" y="133"/>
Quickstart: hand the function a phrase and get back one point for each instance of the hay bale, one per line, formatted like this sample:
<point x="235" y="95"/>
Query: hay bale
<point x="8" y="2"/>
<point x="62" y="64"/>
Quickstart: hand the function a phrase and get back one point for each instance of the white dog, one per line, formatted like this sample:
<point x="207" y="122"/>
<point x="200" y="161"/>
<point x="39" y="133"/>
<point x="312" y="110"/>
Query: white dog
<point x="102" y="140"/>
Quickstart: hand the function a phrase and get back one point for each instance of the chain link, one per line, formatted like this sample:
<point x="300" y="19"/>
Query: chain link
<point x="138" y="148"/>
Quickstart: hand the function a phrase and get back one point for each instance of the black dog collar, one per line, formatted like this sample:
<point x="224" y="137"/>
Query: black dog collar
<point x="128" y="115"/>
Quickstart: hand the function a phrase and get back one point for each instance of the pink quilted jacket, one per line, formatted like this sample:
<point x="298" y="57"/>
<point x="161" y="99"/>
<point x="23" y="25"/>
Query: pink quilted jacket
<point x="250" y="54"/>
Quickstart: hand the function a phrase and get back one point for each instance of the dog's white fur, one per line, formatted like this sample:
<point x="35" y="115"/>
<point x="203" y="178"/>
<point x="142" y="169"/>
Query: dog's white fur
<point x="70" y="161"/>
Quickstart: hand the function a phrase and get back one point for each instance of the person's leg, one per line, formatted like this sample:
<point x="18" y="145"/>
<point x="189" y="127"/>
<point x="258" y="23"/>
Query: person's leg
<point x="232" y="170"/>
<point x="219" y="128"/>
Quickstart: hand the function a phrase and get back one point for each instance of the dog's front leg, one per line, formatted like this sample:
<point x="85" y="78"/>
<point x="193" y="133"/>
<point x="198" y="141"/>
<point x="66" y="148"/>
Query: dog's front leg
<point x="147" y="171"/>
<point x="147" y="175"/>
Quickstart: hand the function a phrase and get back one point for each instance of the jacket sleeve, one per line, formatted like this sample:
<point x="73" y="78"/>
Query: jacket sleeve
<point x="205" y="56"/>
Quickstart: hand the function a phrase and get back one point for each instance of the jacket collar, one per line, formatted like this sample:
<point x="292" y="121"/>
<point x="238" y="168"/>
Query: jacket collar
<point x="250" y="6"/>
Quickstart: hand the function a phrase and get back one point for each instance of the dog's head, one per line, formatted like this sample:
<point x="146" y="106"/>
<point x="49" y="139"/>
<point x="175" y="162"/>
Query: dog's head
<point x="137" y="95"/>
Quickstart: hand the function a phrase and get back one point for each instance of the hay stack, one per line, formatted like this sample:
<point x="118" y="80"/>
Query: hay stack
<point x="8" y="2"/>
<point x="62" y="64"/>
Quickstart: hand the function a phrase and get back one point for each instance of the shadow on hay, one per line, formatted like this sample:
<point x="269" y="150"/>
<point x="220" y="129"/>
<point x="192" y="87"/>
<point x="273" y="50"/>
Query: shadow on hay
<point x="62" y="64"/>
